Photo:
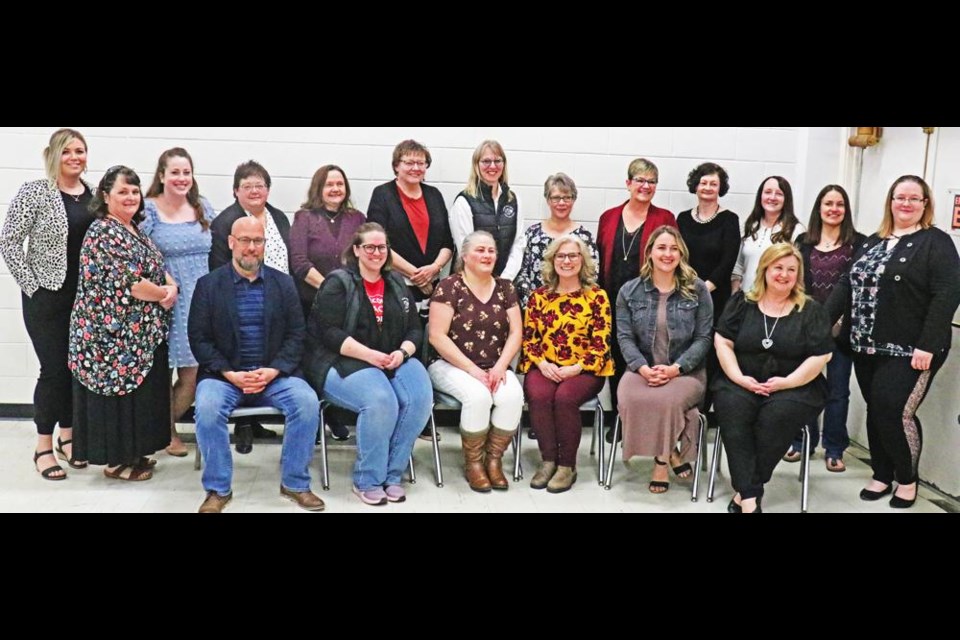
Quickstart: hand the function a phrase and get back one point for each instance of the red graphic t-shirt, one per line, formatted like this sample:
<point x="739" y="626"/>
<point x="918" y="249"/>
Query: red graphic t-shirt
<point x="375" y="294"/>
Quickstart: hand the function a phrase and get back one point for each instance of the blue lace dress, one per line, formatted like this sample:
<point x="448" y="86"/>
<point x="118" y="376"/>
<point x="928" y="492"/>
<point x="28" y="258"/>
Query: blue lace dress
<point x="185" y="247"/>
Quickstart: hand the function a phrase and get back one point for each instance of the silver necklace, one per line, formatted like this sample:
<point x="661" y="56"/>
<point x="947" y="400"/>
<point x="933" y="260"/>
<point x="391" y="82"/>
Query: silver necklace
<point x="623" y="241"/>
<point x="767" y="342"/>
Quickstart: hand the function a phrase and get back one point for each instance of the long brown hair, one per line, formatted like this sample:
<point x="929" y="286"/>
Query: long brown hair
<point x="926" y="220"/>
<point x="788" y="219"/>
<point x="193" y="196"/>
<point x="684" y="276"/>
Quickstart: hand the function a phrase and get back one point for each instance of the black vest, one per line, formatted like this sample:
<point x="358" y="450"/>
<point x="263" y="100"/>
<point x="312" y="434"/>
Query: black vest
<point x="501" y="222"/>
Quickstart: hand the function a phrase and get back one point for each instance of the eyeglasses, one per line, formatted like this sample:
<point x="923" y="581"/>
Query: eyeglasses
<point x="246" y="242"/>
<point x="371" y="249"/>
<point x="486" y="162"/>
<point x="247" y="188"/>
<point x="559" y="199"/>
<point x="421" y="164"/>
<point x="642" y="181"/>
<point x="560" y="257"/>
<point x="914" y="200"/>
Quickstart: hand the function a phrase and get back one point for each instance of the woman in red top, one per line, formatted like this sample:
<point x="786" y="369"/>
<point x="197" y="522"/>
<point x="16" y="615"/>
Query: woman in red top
<point x="621" y="235"/>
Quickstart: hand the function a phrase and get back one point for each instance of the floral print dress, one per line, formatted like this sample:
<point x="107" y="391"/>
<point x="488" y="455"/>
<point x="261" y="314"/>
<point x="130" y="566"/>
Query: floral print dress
<point x="113" y="335"/>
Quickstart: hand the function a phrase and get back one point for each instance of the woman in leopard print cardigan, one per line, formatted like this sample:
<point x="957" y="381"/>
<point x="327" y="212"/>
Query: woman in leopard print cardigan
<point x="51" y="216"/>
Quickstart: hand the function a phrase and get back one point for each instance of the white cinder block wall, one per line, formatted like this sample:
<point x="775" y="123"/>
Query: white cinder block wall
<point x="596" y="158"/>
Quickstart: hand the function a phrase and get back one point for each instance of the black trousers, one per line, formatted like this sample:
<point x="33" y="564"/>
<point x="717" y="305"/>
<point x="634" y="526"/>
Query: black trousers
<point x="893" y="391"/>
<point x="757" y="432"/>
<point x="47" y="318"/>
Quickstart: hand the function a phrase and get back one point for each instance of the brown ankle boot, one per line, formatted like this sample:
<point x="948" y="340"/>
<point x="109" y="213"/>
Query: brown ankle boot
<point x="562" y="480"/>
<point x="473" y="444"/>
<point x="497" y="443"/>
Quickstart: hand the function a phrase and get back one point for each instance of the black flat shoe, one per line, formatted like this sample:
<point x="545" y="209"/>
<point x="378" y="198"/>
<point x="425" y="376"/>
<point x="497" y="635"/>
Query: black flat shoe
<point x="896" y="502"/>
<point x="871" y="496"/>
<point x="733" y="507"/>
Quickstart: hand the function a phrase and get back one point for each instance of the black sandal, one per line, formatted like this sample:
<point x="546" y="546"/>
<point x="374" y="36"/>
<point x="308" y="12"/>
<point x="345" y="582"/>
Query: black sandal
<point x="73" y="462"/>
<point x="658" y="484"/>
<point x="49" y="471"/>
<point x="681" y="469"/>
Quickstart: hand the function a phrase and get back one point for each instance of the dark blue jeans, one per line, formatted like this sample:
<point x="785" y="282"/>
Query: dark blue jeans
<point x="835" y="437"/>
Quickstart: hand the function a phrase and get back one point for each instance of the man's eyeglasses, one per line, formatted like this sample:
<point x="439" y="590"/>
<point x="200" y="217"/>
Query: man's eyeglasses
<point x="246" y="242"/>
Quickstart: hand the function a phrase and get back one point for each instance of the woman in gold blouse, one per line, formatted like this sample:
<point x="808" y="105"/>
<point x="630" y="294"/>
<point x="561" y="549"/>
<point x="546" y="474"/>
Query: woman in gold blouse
<point x="566" y="356"/>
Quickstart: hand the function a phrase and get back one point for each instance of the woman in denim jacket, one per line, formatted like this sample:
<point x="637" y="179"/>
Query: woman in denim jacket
<point x="664" y="326"/>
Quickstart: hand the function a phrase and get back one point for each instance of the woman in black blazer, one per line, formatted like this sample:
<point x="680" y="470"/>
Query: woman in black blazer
<point x="362" y="340"/>
<point x="51" y="215"/>
<point x="415" y="218"/>
<point x="897" y="305"/>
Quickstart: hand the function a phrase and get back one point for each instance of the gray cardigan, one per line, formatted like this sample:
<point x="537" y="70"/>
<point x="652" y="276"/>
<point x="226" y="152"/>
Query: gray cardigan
<point x="689" y="323"/>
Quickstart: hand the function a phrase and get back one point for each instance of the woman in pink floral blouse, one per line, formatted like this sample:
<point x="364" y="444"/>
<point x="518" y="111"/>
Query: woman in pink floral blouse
<point x="118" y="329"/>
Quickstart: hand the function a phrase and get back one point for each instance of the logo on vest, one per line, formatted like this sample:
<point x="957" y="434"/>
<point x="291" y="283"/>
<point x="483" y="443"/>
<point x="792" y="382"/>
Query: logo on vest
<point x="509" y="211"/>
<point x="406" y="304"/>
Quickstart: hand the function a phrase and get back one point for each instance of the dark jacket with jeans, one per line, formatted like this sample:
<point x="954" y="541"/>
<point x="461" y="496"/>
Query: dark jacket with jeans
<point x="214" y="326"/>
<point x="342" y="310"/>
<point x="689" y="324"/>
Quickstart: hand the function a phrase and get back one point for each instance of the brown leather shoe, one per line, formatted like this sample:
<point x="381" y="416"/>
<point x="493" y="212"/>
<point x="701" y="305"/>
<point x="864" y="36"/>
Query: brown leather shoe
<point x="542" y="477"/>
<point x="215" y="503"/>
<point x="497" y="443"/>
<point x="473" y="444"/>
<point x="305" y="499"/>
<point x="562" y="480"/>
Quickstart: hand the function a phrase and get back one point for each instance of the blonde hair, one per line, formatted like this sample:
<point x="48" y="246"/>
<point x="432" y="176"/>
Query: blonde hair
<point x="473" y="182"/>
<point x="58" y="142"/>
<point x="642" y="165"/>
<point x="776" y="252"/>
<point x="588" y="269"/>
<point x="926" y="220"/>
<point x="684" y="277"/>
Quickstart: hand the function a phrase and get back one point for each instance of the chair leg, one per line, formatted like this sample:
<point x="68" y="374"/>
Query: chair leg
<point x="197" y="462"/>
<point x="714" y="466"/>
<point x="701" y="451"/>
<point x="598" y="435"/>
<point x="325" y="476"/>
<point x="608" y="478"/>
<point x="517" y="467"/>
<point x="413" y="471"/>
<point x="805" y="470"/>
<point x="437" y="468"/>
<point x="593" y="439"/>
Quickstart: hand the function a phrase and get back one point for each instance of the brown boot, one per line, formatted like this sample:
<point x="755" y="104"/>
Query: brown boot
<point x="473" y="444"/>
<point x="562" y="480"/>
<point x="497" y="443"/>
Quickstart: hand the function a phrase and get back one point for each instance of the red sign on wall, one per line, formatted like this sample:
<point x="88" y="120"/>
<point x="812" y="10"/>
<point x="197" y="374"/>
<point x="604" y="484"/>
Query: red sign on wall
<point x="956" y="212"/>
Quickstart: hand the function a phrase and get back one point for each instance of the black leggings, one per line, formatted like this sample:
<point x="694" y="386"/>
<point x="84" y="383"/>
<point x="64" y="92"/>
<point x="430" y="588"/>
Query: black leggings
<point x="893" y="391"/>
<point x="757" y="431"/>
<point x="47" y="317"/>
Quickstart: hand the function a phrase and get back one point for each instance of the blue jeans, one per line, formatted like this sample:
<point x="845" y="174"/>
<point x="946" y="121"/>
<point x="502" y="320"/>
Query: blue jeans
<point x="835" y="437"/>
<point x="391" y="414"/>
<point x="216" y="399"/>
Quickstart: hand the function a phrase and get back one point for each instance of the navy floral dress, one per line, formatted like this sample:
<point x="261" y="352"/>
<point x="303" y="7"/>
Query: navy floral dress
<point x="113" y="335"/>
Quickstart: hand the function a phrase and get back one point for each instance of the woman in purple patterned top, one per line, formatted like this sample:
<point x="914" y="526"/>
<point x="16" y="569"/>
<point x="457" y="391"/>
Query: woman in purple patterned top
<point x="827" y="250"/>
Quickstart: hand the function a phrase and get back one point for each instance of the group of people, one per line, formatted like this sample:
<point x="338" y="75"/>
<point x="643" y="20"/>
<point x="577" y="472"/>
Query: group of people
<point x="680" y="313"/>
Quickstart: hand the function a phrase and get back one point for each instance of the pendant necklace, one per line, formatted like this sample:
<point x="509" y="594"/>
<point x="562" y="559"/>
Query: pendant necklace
<point x="623" y="241"/>
<point x="767" y="342"/>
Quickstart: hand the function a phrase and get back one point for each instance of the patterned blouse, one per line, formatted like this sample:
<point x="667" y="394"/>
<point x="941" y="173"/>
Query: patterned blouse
<point x="113" y="335"/>
<point x="865" y="288"/>
<point x="568" y="329"/>
<point x="530" y="277"/>
<point x="479" y="329"/>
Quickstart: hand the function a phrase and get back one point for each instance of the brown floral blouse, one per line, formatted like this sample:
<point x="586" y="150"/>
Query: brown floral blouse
<point x="479" y="329"/>
<point x="113" y="335"/>
<point x="567" y="329"/>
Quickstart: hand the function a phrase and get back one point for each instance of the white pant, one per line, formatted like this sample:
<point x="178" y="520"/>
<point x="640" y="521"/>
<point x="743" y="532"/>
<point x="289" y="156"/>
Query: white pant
<point x="480" y="408"/>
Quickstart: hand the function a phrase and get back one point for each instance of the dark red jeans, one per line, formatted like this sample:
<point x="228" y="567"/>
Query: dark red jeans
<point x="555" y="413"/>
